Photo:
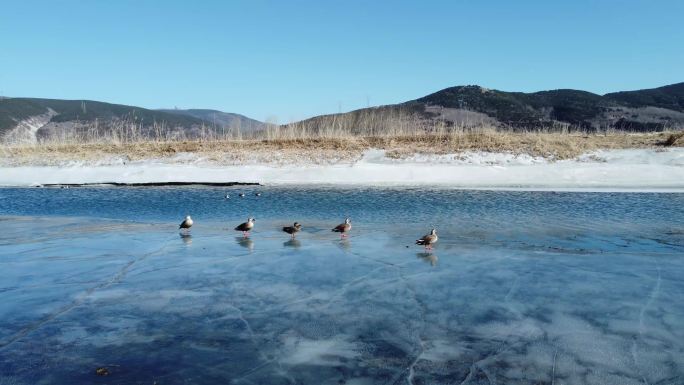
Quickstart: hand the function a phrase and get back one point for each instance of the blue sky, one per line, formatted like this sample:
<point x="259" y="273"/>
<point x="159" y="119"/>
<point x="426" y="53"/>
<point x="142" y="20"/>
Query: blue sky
<point x="288" y="60"/>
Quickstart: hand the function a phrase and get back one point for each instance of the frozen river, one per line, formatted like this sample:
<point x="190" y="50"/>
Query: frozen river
<point x="522" y="288"/>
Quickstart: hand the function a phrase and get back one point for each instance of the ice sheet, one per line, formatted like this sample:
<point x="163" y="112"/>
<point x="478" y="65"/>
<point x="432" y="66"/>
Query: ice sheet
<point x="557" y="302"/>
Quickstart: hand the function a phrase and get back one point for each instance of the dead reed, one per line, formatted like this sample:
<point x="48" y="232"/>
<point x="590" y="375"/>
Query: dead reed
<point x="330" y="138"/>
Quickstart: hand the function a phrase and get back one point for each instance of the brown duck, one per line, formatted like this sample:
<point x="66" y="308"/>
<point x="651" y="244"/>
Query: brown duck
<point x="246" y="227"/>
<point x="294" y="229"/>
<point x="343" y="228"/>
<point x="186" y="224"/>
<point x="428" y="240"/>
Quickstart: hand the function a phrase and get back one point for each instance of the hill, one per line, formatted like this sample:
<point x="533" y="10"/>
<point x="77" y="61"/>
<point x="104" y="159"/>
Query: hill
<point x="471" y="106"/>
<point x="17" y="109"/>
<point x="28" y="119"/>
<point x="669" y="97"/>
<point x="220" y="118"/>
<point x="657" y="109"/>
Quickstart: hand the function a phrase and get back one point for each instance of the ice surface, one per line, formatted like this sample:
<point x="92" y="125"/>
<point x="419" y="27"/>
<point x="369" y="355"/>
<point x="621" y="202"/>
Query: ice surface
<point x="588" y="294"/>
<point x="644" y="169"/>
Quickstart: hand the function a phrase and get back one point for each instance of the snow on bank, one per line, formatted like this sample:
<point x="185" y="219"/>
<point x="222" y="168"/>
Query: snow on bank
<point x="642" y="169"/>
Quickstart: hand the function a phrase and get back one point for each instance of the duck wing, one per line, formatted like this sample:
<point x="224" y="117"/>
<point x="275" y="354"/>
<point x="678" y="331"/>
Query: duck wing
<point x="425" y="240"/>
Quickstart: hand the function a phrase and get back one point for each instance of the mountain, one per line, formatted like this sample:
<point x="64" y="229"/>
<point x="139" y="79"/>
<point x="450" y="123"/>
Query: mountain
<point x="669" y="97"/>
<point x="16" y="109"/>
<point x="468" y="106"/>
<point x="27" y="119"/>
<point x="656" y="109"/>
<point x="220" y="118"/>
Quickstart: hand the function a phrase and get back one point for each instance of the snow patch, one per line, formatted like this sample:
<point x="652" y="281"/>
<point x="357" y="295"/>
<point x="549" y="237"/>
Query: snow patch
<point x="478" y="158"/>
<point x="643" y="169"/>
<point x="25" y="130"/>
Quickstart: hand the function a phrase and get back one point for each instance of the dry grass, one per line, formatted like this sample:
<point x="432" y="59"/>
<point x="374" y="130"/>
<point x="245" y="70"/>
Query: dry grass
<point x="325" y="139"/>
<point x="323" y="149"/>
<point x="674" y="139"/>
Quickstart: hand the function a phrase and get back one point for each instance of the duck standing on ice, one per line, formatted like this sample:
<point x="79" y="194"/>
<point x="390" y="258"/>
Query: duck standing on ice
<point x="428" y="240"/>
<point x="186" y="224"/>
<point x="246" y="227"/>
<point x="343" y="228"/>
<point x="294" y="229"/>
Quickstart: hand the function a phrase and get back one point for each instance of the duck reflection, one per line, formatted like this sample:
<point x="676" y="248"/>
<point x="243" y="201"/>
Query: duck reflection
<point x="186" y="238"/>
<point x="293" y="243"/>
<point x="344" y="244"/>
<point x="428" y="258"/>
<point x="247" y="243"/>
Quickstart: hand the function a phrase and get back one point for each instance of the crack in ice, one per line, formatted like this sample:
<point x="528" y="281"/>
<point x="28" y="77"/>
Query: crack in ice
<point x="77" y="302"/>
<point x="423" y="313"/>
<point x="654" y="294"/>
<point x="252" y="337"/>
<point x="553" y="368"/>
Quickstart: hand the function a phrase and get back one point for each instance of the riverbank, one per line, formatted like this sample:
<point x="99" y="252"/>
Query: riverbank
<point x="615" y="170"/>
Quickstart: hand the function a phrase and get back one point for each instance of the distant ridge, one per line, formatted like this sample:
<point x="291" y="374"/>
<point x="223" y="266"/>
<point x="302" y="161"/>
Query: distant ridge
<point x="30" y="118"/>
<point x="466" y="106"/>
<point x="656" y="109"/>
<point x="219" y="118"/>
<point x="13" y="110"/>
